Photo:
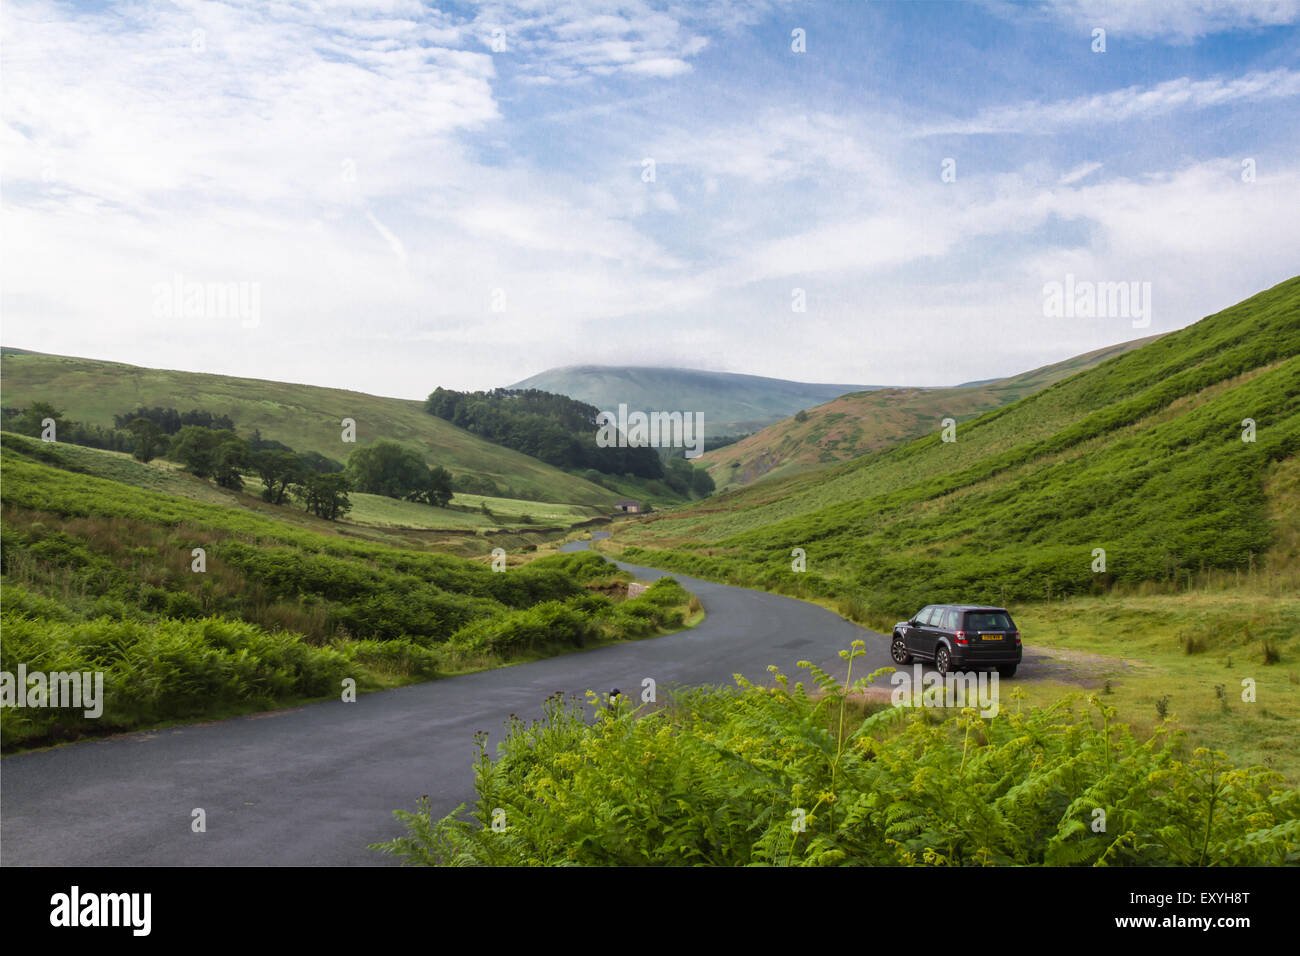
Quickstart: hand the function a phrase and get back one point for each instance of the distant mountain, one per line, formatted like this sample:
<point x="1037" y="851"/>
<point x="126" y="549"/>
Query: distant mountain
<point x="852" y="425"/>
<point x="730" y="402"/>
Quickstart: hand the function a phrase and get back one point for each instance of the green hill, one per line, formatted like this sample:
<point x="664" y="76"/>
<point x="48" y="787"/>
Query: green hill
<point x="99" y="575"/>
<point x="730" y="403"/>
<point x="1141" y="456"/>
<point x="305" y="417"/>
<point x="861" y="422"/>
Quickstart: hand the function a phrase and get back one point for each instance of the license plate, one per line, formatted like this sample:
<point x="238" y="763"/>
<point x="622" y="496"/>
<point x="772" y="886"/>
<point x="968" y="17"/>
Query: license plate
<point x="991" y="637"/>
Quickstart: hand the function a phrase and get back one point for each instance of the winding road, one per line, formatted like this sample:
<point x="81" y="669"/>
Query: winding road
<point x="314" y="785"/>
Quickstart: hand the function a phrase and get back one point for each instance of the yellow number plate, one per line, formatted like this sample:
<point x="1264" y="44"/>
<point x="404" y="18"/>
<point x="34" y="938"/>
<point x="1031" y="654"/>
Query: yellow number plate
<point x="991" y="637"/>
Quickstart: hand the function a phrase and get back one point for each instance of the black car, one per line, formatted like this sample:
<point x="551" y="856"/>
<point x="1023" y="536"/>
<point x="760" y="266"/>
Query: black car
<point x="959" y="637"/>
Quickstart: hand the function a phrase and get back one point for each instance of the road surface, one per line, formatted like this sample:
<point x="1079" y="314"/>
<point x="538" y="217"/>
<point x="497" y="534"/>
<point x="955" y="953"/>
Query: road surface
<point x="314" y="785"/>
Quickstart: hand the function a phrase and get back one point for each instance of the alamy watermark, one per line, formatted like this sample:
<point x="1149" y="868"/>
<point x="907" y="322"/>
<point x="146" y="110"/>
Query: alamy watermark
<point x="654" y="430"/>
<point x="1084" y="299"/>
<point x="76" y="908"/>
<point x="919" y="689"/>
<point x="180" y="299"/>
<point x="74" y="689"/>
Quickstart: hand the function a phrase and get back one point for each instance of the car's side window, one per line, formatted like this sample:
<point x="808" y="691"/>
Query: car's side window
<point x="950" y="619"/>
<point x="923" y="616"/>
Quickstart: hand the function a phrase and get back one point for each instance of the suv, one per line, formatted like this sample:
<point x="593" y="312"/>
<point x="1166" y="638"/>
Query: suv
<point x="959" y="636"/>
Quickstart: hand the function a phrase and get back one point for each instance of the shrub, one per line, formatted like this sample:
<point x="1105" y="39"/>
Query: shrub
<point x="774" y="776"/>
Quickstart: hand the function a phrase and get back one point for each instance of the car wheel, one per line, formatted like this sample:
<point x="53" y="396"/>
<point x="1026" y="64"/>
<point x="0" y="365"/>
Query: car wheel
<point x="1007" y="671"/>
<point x="898" y="651"/>
<point x="941" y="659"/>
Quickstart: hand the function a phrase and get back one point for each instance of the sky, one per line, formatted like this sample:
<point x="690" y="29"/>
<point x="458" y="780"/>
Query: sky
<point x="389" y="195"/>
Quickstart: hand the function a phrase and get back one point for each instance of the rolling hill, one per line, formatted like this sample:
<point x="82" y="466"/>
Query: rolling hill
<point x="862" y="422"/>
<point x="731" y="403"/>
<point x="305" y="417"/>
<point x="1142" y="456"/>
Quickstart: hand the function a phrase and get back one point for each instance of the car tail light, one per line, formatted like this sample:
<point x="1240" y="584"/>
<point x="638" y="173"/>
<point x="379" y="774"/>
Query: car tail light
<point x="1016" y="635"/>
<point x="961" y="638"/>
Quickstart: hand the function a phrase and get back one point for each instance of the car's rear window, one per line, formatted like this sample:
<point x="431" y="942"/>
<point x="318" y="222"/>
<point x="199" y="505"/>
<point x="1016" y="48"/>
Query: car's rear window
<point x="988" y="620"/>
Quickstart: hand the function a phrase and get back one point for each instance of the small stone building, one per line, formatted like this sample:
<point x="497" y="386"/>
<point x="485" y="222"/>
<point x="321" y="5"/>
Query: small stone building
<point x="631" y="507"/>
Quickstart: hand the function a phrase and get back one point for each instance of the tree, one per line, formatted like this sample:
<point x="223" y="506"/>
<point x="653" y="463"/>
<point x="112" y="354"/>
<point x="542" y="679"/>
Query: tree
<point x="386" y="468"/>
<point x="702" y="483"/>
<point x="230" y="458"/>
<point x="30" y="421"/>
<point x="315" y="461"/>
<point x="278" y="470"/>
<point x="193" y="447"/>
<point x="150" y="440"/>
<point x="325" y="495"/>
<point x="211" y="453"/>
<point x="678" y="475"/>
<point x="438" y="487"/>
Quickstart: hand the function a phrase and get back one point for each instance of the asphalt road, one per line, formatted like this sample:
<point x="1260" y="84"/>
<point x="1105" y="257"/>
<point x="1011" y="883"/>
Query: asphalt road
<point x="314" y="785"/>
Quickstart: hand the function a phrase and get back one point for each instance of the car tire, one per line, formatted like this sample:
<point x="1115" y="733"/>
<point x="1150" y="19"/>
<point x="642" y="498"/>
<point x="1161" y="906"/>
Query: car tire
<point x="941" y="660"/>
<point x="898" y="651"/>
<point x="1007" y="671"/>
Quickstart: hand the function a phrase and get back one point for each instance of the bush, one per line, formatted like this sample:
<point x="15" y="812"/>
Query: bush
<point x="720" y="777"/>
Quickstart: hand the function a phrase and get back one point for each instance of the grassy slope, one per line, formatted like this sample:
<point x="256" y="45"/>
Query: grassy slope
<point x="97" y="576"/>
<point x="373" y="517"/>
<point x="305" y="417"/>
<point x="862" y="422"/>
<point x="1141" y="455"/>
<point x="730" y="403"/>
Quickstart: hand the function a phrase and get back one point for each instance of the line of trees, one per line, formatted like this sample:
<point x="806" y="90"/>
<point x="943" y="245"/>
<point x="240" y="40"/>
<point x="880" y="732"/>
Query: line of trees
<point x="30" y="421"/>
<point x="552" y="428"/>
<point x="170" y="421"/>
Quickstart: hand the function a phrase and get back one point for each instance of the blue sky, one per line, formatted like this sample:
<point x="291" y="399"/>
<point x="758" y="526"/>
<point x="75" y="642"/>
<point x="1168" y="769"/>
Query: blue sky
<point x="415" y="207"/>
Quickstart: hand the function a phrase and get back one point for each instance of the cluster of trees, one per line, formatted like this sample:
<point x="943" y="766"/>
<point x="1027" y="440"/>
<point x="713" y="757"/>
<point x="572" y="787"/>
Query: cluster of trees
<point x="171" y="421"/>
<point x="386" y="468"/>
<point x="30" y="421"/>
<point x="685" y="479"/>
<point x="145" y="432"/>
<point x="225" y="458"/>
<point x="555" y="429"/>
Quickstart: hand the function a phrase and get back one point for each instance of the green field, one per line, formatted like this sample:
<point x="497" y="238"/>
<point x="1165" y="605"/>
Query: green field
<point x="304" y="417"/>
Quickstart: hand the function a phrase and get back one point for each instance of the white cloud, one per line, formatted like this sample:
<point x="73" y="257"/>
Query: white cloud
<point x="337" y="158"/>
<point x="1131" y="103"/>
<point x="1181" y="22"/>
<point x="1082" y="171"/>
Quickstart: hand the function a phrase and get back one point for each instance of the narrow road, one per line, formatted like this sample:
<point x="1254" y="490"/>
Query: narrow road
<point x="314" y="785"/>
